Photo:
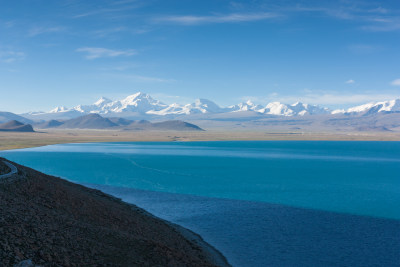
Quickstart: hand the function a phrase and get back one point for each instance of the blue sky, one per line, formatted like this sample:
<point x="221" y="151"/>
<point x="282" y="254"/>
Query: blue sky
<point x="67" y="52"/>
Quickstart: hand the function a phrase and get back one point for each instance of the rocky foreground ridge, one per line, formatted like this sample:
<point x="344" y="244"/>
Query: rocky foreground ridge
<point x="51" y="222"/>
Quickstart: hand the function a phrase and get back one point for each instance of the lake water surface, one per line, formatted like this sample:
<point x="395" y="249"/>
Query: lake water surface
<point x="260" y="203"/>
<point x="352" y="177"/>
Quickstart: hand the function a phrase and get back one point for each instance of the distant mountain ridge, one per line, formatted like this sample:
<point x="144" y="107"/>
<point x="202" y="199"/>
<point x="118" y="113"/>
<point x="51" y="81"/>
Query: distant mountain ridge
<point x="96" y="121"/>
<point x="8" y="116"/>
<point x="373" y="107"/>
<point x="15" y="126"/>
<point x="91" y="121"/>
<point x="142" y="105"/>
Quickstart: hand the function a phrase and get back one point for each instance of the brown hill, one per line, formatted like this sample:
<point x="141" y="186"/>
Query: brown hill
<point x="91" y="121"/>
<point x="49" y="124"/>
<point x="171" y="125"/>
<point x="120" y="121"/>
<point x="176" y="125"/>
<point x="53" y="222"/>
<point x="16" y="126"/>
<point x="96" y="121"/>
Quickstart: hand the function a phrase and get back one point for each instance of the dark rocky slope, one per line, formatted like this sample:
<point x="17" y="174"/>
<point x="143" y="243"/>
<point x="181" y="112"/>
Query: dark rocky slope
<point x="57" y="223"/>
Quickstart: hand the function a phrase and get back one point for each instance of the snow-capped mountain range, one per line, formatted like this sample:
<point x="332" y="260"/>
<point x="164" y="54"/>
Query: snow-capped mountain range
<point x="384" y="106"/>
<point x="144" y="104"/>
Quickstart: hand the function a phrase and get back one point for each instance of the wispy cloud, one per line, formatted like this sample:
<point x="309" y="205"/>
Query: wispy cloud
<point x="396" y="82"/>
<point x="370" y="14"/>
<point x="336" y="12"/>
<point x="229" y="18"/>
<point x="98" y="12"/>
<point x="107" y="32"/>
<point x="42" y="30"/>
<point x="113" y="8"/>
<point x="11" y="56"/>
<point x="363" y="48"/>
<point x="98" y="52"/>
<point x="383" y="25"/>
<point x="9" y="24"/>
<point x="350" y="82"/>
<point x="140" y="78"/>
<point x="379" y="9"/>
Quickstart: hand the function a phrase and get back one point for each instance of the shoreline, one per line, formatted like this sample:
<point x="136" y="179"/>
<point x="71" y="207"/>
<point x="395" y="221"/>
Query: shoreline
<point x="18" y="140"/>
<point x="213" y="253"/>
<point x="251" y="233"/>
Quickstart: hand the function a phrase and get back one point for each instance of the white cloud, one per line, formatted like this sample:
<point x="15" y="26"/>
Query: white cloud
<point x="112" y="10"/>
<point x="380" y="10"/>
<point x="350" y="82"/>
<point x="396" y="82"/>
<point x="98" y="52"/>
<point x="107" y="32"/>
<point x="383" y="28"/>
<point x="97" y="12"/>
<point x="42" y="30"/>
<point x="230" y="18"/>
<point x="375" y="18"/>
<point x="363" y="48"/>
<point x="9" y="24"/>
<point x="11" y="56"/>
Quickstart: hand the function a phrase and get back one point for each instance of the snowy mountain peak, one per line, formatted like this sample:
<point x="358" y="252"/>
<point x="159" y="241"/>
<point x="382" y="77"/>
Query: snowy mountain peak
<point x="59" y="109"/>
<point x="102" y="101"/>
<point x="245" y="106"/>
<point x="299" y="104"/>
<point x="277" y="108"/>
<point x="206" y="106"/>
<point x="373" y="107"/>
<point x="143" y="104"/>
<point x="138" y="96"/>
<point x="139" y="102"/>
<point x="296" y="109"/>
<point x="391" y="105"/>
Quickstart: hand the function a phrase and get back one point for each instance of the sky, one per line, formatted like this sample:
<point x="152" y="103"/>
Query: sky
<point x="336" y="53"/>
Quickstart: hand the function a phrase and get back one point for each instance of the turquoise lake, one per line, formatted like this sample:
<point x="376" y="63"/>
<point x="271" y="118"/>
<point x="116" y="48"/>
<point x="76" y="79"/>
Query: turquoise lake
<point x="361" y="178"/>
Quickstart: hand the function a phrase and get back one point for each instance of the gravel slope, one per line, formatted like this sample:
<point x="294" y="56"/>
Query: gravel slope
<point x="57" y="223"/>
